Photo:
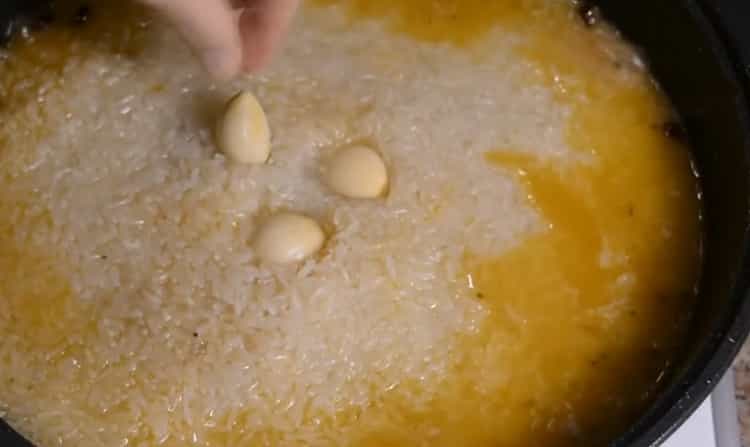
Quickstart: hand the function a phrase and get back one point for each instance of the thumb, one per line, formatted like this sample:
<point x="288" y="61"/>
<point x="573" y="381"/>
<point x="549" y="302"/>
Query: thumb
<point x="211" y="28"/>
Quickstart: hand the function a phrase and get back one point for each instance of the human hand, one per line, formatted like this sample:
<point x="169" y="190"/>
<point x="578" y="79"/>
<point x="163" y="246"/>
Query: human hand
<point x="230" y="36"/>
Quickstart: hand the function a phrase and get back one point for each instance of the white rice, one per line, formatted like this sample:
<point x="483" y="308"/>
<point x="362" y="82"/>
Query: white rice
<point x="150" y="227"/>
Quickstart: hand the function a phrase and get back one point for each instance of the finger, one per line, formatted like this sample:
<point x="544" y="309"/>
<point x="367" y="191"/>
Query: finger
<point x="263" y="25"/>
<point x="210" y="27"/>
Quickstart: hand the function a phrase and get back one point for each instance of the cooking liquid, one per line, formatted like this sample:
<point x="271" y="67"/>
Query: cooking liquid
<point x="588" y="314"/>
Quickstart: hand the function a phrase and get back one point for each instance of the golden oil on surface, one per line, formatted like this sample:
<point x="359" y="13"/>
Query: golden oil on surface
<point x="588" y="314"/>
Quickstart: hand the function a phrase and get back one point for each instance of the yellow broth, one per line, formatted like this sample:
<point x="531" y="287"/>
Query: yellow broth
<point x="587" y="315"/>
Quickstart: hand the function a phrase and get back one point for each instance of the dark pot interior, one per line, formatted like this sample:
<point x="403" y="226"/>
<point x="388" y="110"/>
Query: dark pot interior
<point x="700" y="54"/>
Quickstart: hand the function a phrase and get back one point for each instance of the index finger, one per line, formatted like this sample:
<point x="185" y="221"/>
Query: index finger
<point x="210" y="27"/>
<point x="263" y="25"/>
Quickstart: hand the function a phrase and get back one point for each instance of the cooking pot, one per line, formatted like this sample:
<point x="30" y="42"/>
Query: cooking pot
<point x="699" y="52"/>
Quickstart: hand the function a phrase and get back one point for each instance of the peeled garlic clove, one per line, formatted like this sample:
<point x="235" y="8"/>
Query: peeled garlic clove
<point x="288" y="237"/>
<point x="357" y="172"/>
<point x="243" y="133"/>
